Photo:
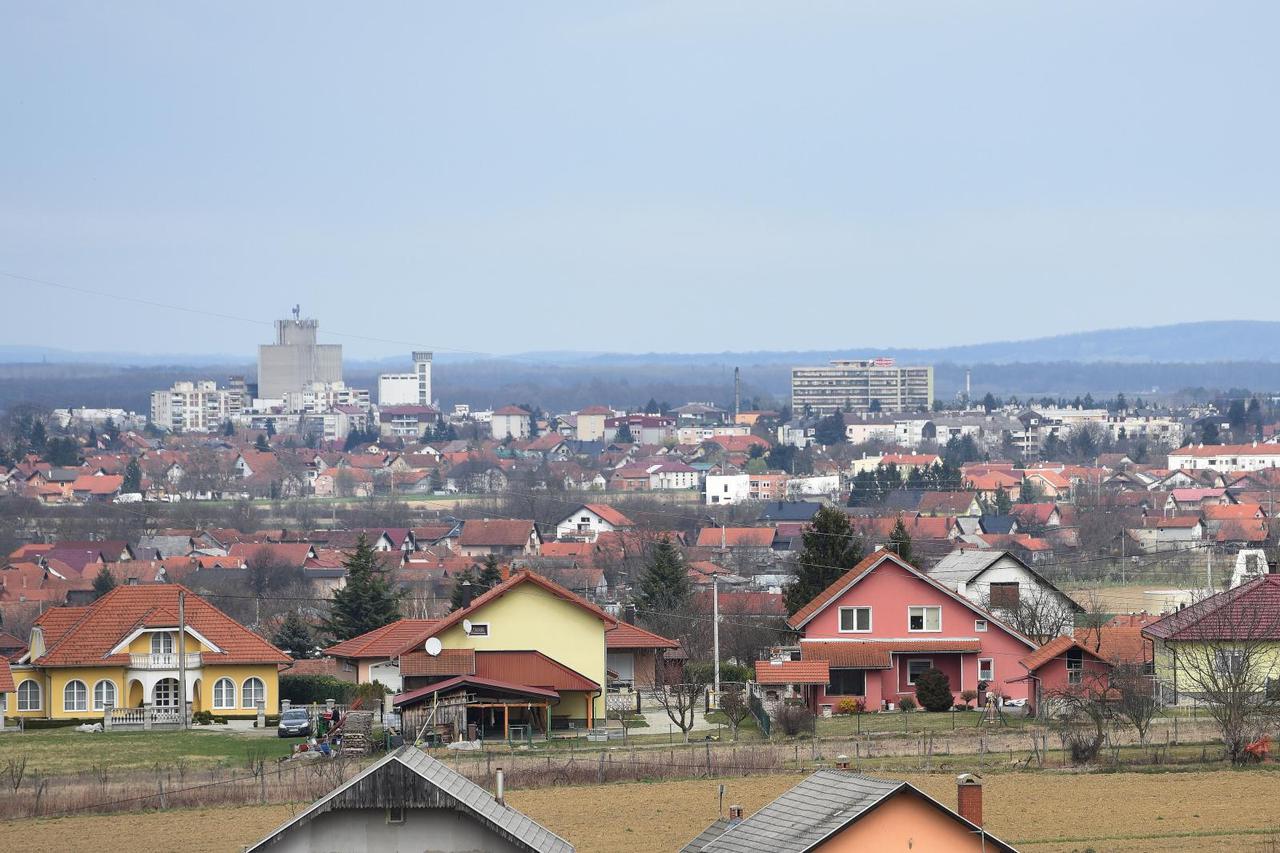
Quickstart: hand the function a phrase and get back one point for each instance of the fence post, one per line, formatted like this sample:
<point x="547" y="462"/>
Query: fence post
<point x="262" y="713"/>
<point x="707" y="744"/>
<point x="148" y="712"/>
<point x="284" y="705"/>
<point x="107" y="707"/>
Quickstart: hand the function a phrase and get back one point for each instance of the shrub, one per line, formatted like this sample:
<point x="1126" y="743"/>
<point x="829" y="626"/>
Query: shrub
<point x="202" y="718"/>
<point x="933" y="690"/>
<point x="907" y="703"/>
<point x="703" y="672"/>
<point x="968" y="697"/>
<point x="794" y="720"/>
<point x="309" y="689"/>
<point x="850" y="706"/>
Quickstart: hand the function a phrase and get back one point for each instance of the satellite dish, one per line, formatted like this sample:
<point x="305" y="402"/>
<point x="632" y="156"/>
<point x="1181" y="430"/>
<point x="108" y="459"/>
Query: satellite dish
<point x="466" y="626"/>
<point x="432" y="646"/>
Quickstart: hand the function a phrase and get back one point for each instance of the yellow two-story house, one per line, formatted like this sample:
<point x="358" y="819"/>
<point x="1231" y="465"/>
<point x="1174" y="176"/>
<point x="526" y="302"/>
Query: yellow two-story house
<point x="139" y="648"/>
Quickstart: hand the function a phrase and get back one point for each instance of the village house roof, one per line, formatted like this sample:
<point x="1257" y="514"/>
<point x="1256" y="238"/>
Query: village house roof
<point x="6" y="677"/>
<point x="385" y="642"/>
<point x="513" y="410"/>
<point x="792" y="672"/>
<point x="1246" y="612"/>
<point x="1055" y="648"/>
<point x="409" y="778"/>
<point x="628" y="636"/>
<point x="736" y="537"/>
<point x="95" y="635"/>
<point x="945" y="503"/>
<point x="610" y="514"/>
<point x="496" y="532"/>
<point x="1206" y="451"/>
<point x="878" y="654"/>
<point x="1119" y="644"/>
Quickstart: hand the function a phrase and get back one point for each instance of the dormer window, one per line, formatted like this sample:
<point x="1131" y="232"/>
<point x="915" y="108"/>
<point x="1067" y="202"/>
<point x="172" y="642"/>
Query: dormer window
<point x="161" y="644"/>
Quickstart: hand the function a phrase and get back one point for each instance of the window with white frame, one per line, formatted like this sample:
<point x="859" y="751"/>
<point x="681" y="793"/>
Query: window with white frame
<point x="986" y="669"/>
<point x="855" y="619"/>
<point x="29" y="696"/>
<point x="75" y="696"/>
<point x="224" y="693"/>
<point x="927" y="618"/>
<point x="916" y="667"/>
<point x="1075" y="665"/>
<point x="979" y="625"/>
<point x="104" y="693"/>
<point x="1229" y="662"/>
<point x="162" y="644"/>
<point x="479" y="629"/>
<point x="252" y="692"/>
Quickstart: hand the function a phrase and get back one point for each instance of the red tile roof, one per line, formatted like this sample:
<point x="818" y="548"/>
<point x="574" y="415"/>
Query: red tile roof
<point x="109" y="620"/>
<point x="849" y="655"/>
<point x="792" y="672"/>
<point x="473" y="681"/>
<point x="448" y="662"/>
<point x="1219" y="450"/>
<point x="627" y="636"/>
<point x="491" y="532"/>
<point x="385" y="642"/>
<point x="1246" y="612"/>
<point x="736" y="537"/>
<point x="610" y="514"/>
<point x="290" y="553"/>
<point x="1117" y="644"/>
<point x="533" y="669"/>
<point x="1055" y="648"/>
<point x="6" y="677"/>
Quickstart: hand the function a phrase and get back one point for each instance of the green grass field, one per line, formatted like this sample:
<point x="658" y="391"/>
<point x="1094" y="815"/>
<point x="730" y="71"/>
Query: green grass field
<point x="62" y="751"/>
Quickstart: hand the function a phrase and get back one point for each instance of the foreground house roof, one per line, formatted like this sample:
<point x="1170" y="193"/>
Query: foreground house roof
<point x="1250" y="611"/>
<point x="411" y="779"/>
<point x="816" y="809"/>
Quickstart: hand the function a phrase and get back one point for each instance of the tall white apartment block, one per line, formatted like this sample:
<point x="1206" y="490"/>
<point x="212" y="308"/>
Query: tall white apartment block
<point x="407" y="389"/>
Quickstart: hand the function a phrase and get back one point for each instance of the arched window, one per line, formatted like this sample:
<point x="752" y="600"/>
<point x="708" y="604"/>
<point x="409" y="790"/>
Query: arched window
<point x="224" y="693"/>
<point x="75" y="696"/>
<point x="253" y="692"/>
<point x="104" y="693"/>
<point x="29" y="696"/>
<point x="162" y="644"/>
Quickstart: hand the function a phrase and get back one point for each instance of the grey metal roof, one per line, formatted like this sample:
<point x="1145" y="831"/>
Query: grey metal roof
<point x="814" y="810"/>
<point x="962" y="565"/>
<point x="711" y="833"/>
<point x="450" y="789"/>
<point x="166" y="546"/>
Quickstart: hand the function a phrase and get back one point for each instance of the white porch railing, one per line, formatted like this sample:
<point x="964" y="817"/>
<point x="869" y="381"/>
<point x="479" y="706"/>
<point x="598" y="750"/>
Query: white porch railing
<point x="125" y="717"/>
<point x="167" y="660"/>
<point x="142" y="718"/>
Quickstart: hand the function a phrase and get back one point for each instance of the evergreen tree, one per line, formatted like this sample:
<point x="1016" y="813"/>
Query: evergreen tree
<point x="92" y="441"/>
<point x="64" y="452"/>
<point x="652" y="407"/>
<point x="664" y="586"/>
<point x="37" y="438"/>
<point x="295" y="637"/>
<point x="1000" y="503"/>
<point x="989" y="402"/>
<point x="830" y="430"/>
<point x="490" y="575"/>
<point x="368" y="600"/>
<point x="271" y="427"/>
<point x="111" y="431"/>
<point x="103" y="582"/>
<point x="261" y="445"/>
<point x="228" y="428"/>
<point x="623" y="435"/>
<point x="132" y="477"/>
<point x="830" y="547"/>
<point x="933" y="690"/>
<point x="464" y="585"/>
<point x="900" y="540"/>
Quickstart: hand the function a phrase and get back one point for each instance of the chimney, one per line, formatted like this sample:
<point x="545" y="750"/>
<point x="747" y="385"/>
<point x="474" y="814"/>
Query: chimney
<point x="969" y="798"/>
<point x="842" y="762"/>
<point x="501" y="795"/>
<point x="735" y="814"/>
<point x="466" y="594"/>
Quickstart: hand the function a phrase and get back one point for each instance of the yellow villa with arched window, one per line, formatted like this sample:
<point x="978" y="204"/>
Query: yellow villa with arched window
<point x="137" y="652"/>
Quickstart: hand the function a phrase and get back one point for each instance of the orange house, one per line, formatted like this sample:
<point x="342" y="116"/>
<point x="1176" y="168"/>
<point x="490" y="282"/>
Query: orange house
<point x="835" y="811"/>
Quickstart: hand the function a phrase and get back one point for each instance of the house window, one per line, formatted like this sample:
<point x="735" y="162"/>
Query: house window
<point x="1075" y="665"/>
<point x="924" y="618"/>
<point x="104" y="693"/>
<point x="986" y="669"/>
<point x="75" y="696"/>
<point x="1004" y="595"/>
<point x="1228" y="662"/>
<point x="161" y="644"/>
<point x="395" y="814"/>
<point x="855" y="619"/>
<point x="479" y="629"/>
<point x="224" y="693"/>
<point x="916" y="667"/>
<point x="29" y="696"/>
<point x="253" y="692"/>
<point x="979" y="625"/>
<point x="848" y="682"/>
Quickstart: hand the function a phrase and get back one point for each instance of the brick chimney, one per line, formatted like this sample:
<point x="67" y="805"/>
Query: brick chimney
<point x="969" y="798"/>
<point x="842" y="762"/>
<point x="735" y="814"/>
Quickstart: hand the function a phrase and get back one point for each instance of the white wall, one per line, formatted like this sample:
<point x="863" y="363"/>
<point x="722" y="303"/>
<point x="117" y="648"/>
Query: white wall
<point x="728" y="488"/>
<point x="435" y="830"/>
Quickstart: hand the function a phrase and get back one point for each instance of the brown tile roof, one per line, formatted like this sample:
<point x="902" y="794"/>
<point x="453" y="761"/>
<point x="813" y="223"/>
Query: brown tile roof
<point x="792" y="672"/>
<point x="531" y="668"/>
<point x="486" y="532"/>
<point x="627" y="636"/>
<point x="849" y="655"/>
<point x="610" y="514"/>
<point x="448" y="662"/>
<point x="314" y="666"/>
<point x="385" y="642"/>
<point x="117" y="614"/>
<point x="6" y="677"/>
<point x="736" y="537"/>
<point x="1117" y="643"/>
<point x="290" y="553"/>
<point x="1053" y="649"/>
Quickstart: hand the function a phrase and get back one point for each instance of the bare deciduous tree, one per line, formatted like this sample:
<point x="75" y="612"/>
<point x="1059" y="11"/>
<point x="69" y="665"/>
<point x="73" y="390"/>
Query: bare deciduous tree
<point x="1040" y="614"/>
<point x="680" y="701"/>
<point x="1135" y="700"/>
<point x="734" y="704"/>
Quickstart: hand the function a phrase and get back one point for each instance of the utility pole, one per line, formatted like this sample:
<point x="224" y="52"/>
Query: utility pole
<point x="182" y="656"/>
<point x="1208" y="570"/>
<point x="715" y="614"/>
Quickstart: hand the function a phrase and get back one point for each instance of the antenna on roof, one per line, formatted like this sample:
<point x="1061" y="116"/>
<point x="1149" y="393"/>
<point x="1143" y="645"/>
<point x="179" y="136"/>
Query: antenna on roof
<point x="297" y="312"/>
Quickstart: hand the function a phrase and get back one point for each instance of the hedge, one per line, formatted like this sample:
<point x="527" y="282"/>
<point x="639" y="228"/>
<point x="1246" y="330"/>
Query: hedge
<point x="315" y="689"/>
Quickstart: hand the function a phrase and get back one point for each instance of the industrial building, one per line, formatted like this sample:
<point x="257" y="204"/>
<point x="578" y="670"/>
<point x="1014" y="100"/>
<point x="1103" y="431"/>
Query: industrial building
<point x="295" y="361"/>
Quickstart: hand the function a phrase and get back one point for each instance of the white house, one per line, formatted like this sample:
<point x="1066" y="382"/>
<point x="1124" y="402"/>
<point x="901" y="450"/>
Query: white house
<point x="673" y="475"/>
<point x="511" y="421"/>
<point x="998" y="580"/>
<point x="588" y="521"/>
<point x="728" y="488"/>
<point x="1226" y="457"/>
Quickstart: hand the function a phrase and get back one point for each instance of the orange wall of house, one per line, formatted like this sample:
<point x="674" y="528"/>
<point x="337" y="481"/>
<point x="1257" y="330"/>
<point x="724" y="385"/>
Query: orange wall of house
<point x="904" y="823"/>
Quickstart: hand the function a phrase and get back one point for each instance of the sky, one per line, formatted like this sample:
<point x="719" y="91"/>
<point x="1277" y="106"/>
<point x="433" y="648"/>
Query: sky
<point x="632" y="177"/>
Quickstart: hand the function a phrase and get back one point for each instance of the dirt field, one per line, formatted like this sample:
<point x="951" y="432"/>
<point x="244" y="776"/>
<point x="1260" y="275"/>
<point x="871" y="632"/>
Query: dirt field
<point x="1042" y="813"/>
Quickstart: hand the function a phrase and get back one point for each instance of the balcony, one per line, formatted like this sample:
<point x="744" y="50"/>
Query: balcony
<point x="162" y="661"/>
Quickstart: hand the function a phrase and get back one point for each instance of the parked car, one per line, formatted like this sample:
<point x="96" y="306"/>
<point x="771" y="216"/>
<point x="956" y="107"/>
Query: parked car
<point x="295" y="722"/>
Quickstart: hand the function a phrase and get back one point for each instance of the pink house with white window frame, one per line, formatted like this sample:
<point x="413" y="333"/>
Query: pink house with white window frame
<point x="884" y="622"/>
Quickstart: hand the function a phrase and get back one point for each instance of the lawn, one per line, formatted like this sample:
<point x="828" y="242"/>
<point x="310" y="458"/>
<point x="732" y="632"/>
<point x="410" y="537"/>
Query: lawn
<point x="65" y="751"/>
<point x="913" y="722"/>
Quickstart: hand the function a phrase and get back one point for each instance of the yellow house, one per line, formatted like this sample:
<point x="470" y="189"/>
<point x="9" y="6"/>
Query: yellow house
<point x="122" y="654"/>
<point x="528" y="651"/>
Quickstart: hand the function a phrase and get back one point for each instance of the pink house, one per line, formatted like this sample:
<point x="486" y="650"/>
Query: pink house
<point x="1062" y="665"/>
<point x="884" y="622"/>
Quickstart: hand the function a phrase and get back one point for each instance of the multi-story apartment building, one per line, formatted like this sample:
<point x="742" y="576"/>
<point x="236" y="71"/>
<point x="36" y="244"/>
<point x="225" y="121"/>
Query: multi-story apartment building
<point x="199" y="406"/>
<point x="323" y="396"/>
<point x="861" y="385"/>
<point x="407" y="389"/>
<point x="295" y="360"/>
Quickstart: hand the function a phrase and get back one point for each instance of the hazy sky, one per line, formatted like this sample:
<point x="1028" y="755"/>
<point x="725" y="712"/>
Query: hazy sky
<point x="662" y="176"/>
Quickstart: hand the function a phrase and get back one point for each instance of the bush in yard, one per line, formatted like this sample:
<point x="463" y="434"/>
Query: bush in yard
<point x="309" y="689"/>
<point x="907" y="703"/>
<point x="968" y="697"/>
<point x="850" y="706"/>
<point x="793" y="720"/>
<point x="933" y="690"/>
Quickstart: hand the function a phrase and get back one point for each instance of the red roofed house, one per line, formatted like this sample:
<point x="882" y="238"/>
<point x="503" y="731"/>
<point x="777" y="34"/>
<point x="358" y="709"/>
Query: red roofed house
<point x="792" y="679"/>
<point x="588" y="521"/>
<point x="97" y="487"/>
<point x="1061" y="665"/>
<point x="884" y="622"/>
<point x="122" y="652"/>
<point x="500" y="537"/>
<point x="511" y="421"/>
<point x="633" y="655"/>
<point x="736" y="537"/>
